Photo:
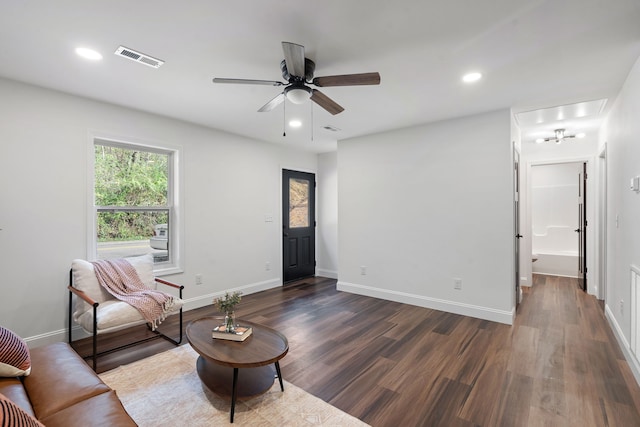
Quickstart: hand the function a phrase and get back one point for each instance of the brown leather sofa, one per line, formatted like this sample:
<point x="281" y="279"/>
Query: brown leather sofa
<point x="62" y="390"/>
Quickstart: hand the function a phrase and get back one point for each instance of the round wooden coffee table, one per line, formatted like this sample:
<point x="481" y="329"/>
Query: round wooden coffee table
<point x="220" y="360"/>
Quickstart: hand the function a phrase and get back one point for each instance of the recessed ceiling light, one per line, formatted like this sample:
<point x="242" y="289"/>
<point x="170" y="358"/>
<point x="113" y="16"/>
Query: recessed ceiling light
<point x="88" y="53"/>
<point x="581" y="135"/>
<point x="471" y="77"/>
<point x="295" y="123"/>
<point x="539" y="140"/>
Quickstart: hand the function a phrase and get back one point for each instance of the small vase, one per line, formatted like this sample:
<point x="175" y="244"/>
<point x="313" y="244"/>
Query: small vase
<point x="230" y="321"/>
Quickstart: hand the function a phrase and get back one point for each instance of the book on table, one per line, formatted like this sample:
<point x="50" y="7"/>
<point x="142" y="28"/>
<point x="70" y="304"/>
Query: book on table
<point x="240" y="333"/>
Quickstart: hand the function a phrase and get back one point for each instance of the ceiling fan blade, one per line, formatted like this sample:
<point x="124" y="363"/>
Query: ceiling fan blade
<point x="294" y="58"/>
<point x="325" y="102"/>
<point x="272" y="104"/>
<point x="348" y="80"/>
<point x="248" y="82"/>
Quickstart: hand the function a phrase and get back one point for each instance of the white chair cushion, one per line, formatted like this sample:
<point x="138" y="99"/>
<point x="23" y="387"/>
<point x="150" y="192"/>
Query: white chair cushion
<point x="85" y="280"/>
<point x="114" y="314"/>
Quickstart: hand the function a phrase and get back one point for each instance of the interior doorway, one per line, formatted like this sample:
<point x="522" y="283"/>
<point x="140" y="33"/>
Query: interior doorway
<point x="558" y="219"/>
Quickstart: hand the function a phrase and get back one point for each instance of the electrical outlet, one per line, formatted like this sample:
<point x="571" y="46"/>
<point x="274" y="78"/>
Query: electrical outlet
<point x="457" y="284"/>
<point x="198" y="279"/>
<point x="267" y="266"/>
<point x="363" y="270"/>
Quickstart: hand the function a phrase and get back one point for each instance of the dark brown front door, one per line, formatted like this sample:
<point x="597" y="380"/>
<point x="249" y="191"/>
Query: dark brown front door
<point x="298" y="225"/>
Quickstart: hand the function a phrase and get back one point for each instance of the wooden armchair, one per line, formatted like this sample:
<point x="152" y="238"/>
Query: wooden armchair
<point x="98" y="312"/>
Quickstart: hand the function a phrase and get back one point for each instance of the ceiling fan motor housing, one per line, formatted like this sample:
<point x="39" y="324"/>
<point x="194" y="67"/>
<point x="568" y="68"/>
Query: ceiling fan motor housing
<point x="309" y="69"/>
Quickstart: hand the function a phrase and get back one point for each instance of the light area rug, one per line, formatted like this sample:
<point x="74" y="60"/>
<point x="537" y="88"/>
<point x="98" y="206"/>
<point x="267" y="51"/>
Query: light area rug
<point x="165" y="390"/>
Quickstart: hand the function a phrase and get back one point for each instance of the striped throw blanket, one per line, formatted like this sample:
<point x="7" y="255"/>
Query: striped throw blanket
<point x="121" y="280"/>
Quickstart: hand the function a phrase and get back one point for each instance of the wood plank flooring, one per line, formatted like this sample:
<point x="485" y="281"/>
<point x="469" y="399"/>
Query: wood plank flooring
<point x="392" y="364"/>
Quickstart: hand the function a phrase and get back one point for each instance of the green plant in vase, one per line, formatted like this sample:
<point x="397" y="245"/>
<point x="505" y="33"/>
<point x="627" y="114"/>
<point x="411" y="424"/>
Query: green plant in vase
<point x="227" y="306"/>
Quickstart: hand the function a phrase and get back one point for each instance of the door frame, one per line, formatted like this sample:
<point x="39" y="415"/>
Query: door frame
<point x="583" y="205"/>
<point x="526" y="249"/>
<point x="602" y="225"/>
<point x="517" y="169"/>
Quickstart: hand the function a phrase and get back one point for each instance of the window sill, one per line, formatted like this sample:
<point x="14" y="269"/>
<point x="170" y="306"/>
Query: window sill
<point x="166" y="270"/>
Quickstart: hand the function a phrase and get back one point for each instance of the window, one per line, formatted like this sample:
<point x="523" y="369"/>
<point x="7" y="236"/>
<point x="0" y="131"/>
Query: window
<point x="298" y="203"/>
<point x="134" y="206"/>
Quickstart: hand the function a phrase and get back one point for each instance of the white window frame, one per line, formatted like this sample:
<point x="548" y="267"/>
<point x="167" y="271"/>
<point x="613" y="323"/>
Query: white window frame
<point x="174" y="198"/>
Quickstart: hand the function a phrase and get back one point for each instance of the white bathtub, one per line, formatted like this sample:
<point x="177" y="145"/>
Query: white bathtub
<point x="560" y="263"/>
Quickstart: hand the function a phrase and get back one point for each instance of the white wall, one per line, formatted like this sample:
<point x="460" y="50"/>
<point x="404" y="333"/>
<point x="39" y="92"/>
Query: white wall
<point x="621" y="133"/>
<point x="230" y="184"/>
<point x="327" y="206"/>
<point x="421" y="206"/>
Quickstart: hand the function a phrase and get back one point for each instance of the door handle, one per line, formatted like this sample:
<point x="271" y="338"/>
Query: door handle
<point x="285" y="234"/>
<point x="577" y="230"/>
<point x="519" y="236"/>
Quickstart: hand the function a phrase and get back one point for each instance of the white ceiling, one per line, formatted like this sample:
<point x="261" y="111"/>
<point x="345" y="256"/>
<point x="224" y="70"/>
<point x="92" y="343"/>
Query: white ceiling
<point x="533" y="54"/>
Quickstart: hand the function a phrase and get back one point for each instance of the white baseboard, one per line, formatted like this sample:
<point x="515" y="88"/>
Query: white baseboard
<point x="556" y="274"/>
<point x="51" y="337"/>
<point x="485" y="313"/>
<point x="189" y="304"/>
<point x="624" y="344"/>
<point x="202" y="300"/>
<point x="331" y="274"/>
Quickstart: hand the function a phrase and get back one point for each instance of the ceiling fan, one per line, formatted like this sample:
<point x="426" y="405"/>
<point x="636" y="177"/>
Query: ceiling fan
<point x="298" y="71"/>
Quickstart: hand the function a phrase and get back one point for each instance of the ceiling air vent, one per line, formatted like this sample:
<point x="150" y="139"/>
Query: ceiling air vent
<point x="331" y="128"/>
<point x="131" y="54"/>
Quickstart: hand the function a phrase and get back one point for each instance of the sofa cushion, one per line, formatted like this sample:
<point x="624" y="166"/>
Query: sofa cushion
<point x="102" y="410"/>
<point x="13" y="389"/>
<point x="15" y="359"/>
<point x="85" y="280"/>
<point x="58" y="367"/>
<point x="12" y="415"/>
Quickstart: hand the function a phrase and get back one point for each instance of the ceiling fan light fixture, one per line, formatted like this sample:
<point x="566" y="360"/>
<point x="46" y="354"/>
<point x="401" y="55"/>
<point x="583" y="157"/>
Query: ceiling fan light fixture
<point x="297" y="94"/>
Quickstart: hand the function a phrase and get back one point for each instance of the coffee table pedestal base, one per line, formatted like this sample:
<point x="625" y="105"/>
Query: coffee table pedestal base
<point x="251" y="381"/>
<point x="229" y="382"/>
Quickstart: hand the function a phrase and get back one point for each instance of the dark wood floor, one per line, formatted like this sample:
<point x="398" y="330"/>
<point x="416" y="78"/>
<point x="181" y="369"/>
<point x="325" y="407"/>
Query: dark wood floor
<point x="391" y="364"/>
